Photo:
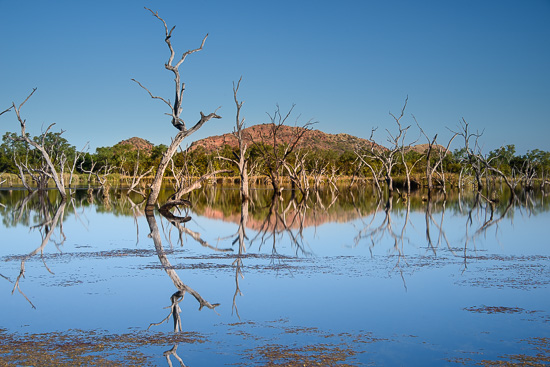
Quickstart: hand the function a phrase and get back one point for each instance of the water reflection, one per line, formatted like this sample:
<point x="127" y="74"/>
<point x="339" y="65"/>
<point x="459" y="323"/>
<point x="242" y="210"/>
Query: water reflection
<point x="181" y="287"/>
<point x="48" y="223"/>
<point x="335" y="239"/>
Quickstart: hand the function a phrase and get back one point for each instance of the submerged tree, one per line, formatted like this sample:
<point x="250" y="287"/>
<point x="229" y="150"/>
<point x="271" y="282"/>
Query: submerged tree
<point x="432" y="164"/>
<point x="48" y="170"/>
<point x="241" y="157"/>
<point x="472" y="152"/>
<point x="274" y="150"/>
<point x="175" y="112"/>
<point x="387" y="158"/>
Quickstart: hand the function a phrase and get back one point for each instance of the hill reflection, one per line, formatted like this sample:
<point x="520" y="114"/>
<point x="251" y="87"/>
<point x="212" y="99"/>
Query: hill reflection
<point x="17" y="207"/>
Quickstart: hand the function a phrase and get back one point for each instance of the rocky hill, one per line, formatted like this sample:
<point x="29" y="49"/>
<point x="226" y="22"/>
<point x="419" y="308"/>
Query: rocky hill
<point x="140" y="144"/>
<point x="312" y="139"/>
<point x="423" y="148"/>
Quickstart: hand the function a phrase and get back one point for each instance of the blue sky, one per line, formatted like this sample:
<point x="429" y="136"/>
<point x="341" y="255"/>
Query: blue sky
<point x="345" y="64"/>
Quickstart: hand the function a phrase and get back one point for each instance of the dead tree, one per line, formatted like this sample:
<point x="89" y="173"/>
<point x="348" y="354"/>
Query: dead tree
<point x="175" y="112"/>
<point x="77" y="156"/>
<point x="388" y="158"/>
<point x="408" y="169"/>
<point x="363" y="159"/>
<point x="473" y="151"/>
<point x="49" y="170"/>
<point x="6" y="110"/>
<point x="273" y="148"/>
<point x="529" y="173"/>
<point x="240" y="159"/>
<point x="297" y="173"/>
<point x="396" y="143"/>
<point x="101" y="178"/>
<point x="433" y="146"/>
<point x="511" y="182"/>
<point x="403" y="149"/>
<point x="318" y="172"/>
<point x="136" y="178"/>
<point x="24" y="168"/>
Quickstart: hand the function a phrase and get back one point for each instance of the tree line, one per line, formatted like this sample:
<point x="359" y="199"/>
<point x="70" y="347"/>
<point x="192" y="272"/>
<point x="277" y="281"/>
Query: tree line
<point x="319" y="166"/>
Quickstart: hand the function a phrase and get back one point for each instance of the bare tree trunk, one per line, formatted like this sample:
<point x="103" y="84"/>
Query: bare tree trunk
<point x="389" y="182"/>
<point x="176" y="110"/>
<point x="272" y="146"/>
<point x="374" y="175"/>
<point x="50" y="171"/>
<point x="76" y="157"/>
<point x="387" y="157"/>
<point x="241" y="160"/>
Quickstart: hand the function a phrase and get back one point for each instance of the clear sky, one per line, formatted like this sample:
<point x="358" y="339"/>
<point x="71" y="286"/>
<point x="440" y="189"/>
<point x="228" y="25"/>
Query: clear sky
<point x="345" y="64"/>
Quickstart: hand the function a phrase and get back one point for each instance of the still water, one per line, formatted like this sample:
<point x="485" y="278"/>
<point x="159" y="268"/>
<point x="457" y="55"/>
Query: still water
<point x="338" y="278"/>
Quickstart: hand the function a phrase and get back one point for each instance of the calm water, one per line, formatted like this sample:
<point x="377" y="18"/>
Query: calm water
<point x="334" y="279"/>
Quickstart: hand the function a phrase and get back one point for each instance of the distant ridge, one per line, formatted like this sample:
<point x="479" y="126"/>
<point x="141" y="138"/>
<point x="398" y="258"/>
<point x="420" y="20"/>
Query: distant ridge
<point x="140" y="144"/>
<point x="312" y="139"/>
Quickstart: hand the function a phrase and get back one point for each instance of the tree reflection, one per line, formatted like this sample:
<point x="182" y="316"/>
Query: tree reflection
<point x="280" y="221"/>
<point x="173" y="352"/>
<point x="435" y="199"/>
<point x="181" y="287"/>
<point x="46" y="229"/>
<point x="484" y="210"/>
<point x="238" y="262"/>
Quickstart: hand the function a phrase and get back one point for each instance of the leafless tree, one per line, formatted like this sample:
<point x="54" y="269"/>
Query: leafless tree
<point x="175" y="112"/>
<point x="297" y="172"/>
<point x="273" y="149"/>
<point x="23" y="168"/>
<point x="102" y="178"/>
<point x="363" y="159"/>
<point x="440" y="154"/>
<point x="318" y="172"/>
<point x="241" y="158"/>
<point x="479" y="163"/>
<point x="529" y="174"/>
<point x="6" y="110"/>
<point x="511" y="181"/>
<point x="182" y="190"/>
<point x="49" y="170"/>
<point x="388" y="158"/>
<point x="333" y="179"/>
<point x="472" y="151"/>
<point x="403" y="149"/>
<point x="77" y="156"/>
<point x="137" y="176"/>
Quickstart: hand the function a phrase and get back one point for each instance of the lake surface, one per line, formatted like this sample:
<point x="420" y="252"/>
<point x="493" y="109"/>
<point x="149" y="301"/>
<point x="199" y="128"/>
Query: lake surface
<point x="336" y="279"/>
